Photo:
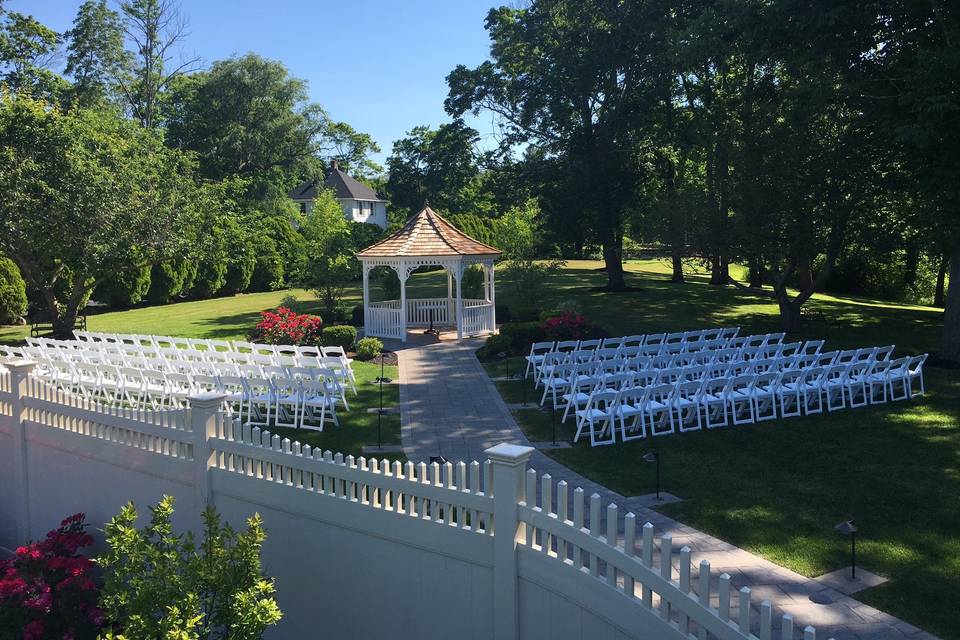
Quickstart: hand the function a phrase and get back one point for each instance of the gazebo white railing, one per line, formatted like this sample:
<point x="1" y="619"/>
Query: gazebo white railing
<point x="427" y="239"/>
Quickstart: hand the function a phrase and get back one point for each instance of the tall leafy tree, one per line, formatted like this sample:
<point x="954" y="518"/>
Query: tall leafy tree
<point x="583" y="80"/>
<point x="28" y="50"/>
<point x="352" y="149"/>
<point x="246" y="117"/>
<point x="156" y="28"/>
<point x="95" y="53"/>
<point x="109" y="191"/>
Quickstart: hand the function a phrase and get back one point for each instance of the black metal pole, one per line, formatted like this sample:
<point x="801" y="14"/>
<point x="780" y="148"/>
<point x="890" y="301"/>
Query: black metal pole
<point x="553" y="423"/>
<point x="380" y="412"/>
<point x="658" y="475"/>
<point x="853" y="556"/>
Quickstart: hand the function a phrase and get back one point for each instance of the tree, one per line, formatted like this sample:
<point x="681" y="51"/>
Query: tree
<point x="330" y="263"/>
<point x="156" y="29"/>
<point x="95" y="53"/>
<point x="110" y="193"/>
<point x="246" y="117"/>
<point x="13" y="292"/>
<point x="584" y="81"/>
<point x="27" y="51"/>
<point x="352" y="150"/>
<point x="436" y="165"/>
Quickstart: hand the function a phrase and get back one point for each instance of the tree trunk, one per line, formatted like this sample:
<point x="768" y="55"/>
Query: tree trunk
<point x="789" y="314"/>
<point x="677" y="258"/>
<point x="676" y="224"/>
<point x="64" y="323"/>
<point x="612" y="259"/>
<point x="912" y="263"/>
<point x="755" y="273"/>
<point x="804" y="274"/>
<point x="938" y="294"/>
<point x="951" y="311"/>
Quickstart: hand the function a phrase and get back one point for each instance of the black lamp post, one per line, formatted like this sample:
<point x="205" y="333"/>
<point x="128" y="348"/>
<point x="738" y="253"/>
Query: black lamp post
<point x="849" y="529"/>
<point x="503" y="362"/>
<point x="380" y="381"/>
<point x="654" y="456"/>
<point x="553" y="422"/>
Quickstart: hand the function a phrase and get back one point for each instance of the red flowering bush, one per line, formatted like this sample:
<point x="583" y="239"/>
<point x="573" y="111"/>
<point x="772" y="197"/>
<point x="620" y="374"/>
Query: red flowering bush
<point x="46" y="590"/>
<point x="567" y="326"/>
<point x="285" y="326"/>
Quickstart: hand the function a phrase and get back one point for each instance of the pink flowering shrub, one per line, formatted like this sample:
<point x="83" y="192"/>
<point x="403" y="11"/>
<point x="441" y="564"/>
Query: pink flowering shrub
<point x="285" y="326"/>
<point x="567" y="326"/>
<point x="46" y="590"/>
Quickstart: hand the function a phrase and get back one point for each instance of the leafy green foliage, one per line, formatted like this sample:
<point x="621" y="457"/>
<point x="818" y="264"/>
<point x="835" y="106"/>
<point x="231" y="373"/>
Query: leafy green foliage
<point x="126" y="288"/>
<point x="111" y="193"/>
<point x="160" y="584"/>
<point x="13" y="292"/>
<point x="330" y="263"/>
<point x="368" y="348"/>
<point x="343" y="335"/>
<point x="95" y="53"/>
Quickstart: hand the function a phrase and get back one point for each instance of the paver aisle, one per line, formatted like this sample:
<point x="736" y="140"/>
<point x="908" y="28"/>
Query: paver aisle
<point x="450" y="407"/>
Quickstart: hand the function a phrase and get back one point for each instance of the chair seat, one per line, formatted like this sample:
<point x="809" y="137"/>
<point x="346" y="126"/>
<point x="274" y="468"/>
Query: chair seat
<point x="592" y="414"/>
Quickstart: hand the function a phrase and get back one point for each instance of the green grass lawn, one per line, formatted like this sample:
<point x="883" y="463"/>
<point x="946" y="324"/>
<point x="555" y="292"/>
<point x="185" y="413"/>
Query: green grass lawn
<point x="778" y="488"/>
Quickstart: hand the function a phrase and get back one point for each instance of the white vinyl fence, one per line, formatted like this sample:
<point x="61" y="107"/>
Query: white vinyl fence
<point x="368" y="548"/>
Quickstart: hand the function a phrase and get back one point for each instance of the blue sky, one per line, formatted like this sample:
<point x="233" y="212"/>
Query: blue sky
<point x="377" y="64"/>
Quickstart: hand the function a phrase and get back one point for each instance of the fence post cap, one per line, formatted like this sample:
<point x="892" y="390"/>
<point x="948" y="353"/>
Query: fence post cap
<point x="19" y="365"/>
<point x="206" y="399"/>
<point x="506" y="453"/>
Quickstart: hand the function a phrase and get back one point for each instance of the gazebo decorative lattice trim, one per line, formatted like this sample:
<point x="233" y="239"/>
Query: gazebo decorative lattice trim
<point x="427" y="239"/>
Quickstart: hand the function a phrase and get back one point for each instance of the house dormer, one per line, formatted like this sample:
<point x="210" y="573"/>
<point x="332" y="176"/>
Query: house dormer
<point x="360" y="203"/>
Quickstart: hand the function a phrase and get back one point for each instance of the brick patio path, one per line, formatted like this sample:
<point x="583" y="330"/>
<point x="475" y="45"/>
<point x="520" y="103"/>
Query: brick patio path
<point x="450" y="407"/>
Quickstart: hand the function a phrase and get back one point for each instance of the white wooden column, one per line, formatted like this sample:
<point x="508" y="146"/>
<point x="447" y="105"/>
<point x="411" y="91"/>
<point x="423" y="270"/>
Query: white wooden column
<point x="402" y="274"/>
<point x="493" y="300"/>
<point x="449" y="294"/>
<point x="366" y="297"/>
<point x="459" y="301"/>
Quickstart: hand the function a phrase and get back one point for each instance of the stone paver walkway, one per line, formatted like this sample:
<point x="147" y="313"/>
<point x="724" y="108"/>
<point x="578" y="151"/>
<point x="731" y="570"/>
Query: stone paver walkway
<point x="450" y="407"/>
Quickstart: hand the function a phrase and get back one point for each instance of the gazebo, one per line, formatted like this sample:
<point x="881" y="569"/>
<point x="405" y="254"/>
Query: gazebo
<point x="427" y="239"/>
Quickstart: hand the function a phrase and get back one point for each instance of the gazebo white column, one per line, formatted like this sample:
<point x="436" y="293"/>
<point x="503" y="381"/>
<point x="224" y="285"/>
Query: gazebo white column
<point x="366" y="294"/>
<point x="402" y="273"/>
<point x="459" y="277"/>
<point x="493" y="299"/>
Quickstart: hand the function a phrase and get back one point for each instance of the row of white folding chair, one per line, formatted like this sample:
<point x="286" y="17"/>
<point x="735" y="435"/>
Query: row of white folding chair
<point x="206" y="345"/>
<point x="745" y="398"/>
<point x="194" y="361"/>
<point x="569" y="381"/>
<point x="538" y="349"/>
<point x="768" y="345"/>
<point x="170" y="389"/>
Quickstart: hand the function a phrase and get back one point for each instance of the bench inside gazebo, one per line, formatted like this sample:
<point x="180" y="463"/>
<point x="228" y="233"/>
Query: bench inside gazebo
<point x="427" y="239"/>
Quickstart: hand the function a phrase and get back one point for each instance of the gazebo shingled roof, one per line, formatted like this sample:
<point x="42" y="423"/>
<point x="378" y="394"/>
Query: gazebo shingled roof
<point x="427" y="234"/>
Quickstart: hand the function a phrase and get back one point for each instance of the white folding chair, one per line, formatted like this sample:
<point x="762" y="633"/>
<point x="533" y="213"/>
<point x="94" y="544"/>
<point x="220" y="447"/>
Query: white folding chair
<point x="739" y="400"/>
<point x="915" y="374"/>
<point x="763" y="394"/>
<point x="713" y="399"/>
<point x="598" y="412"/>
<point x="685" y="405"/>
<point x="788" y="392"/>
<point x="658" y="409"/>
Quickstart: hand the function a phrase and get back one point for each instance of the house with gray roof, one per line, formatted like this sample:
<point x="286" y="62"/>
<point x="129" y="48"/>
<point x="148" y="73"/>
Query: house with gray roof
<point x="360" y="203"/>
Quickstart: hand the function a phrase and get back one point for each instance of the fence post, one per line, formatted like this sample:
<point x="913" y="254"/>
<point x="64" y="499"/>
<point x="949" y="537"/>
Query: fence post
<point x="19" y="374"/>
<point x="204" y="409"/>
<point x="509" y="465"/>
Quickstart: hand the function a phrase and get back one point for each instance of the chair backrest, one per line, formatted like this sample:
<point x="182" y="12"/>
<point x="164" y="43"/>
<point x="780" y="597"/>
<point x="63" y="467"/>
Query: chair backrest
<point x="916" y="364"/>
<point x="567" y="345"/>
<point x="846" y="356"/>
<point x="695" y="372"/>
<point x="730" y="332"/>
<point x="612" y="343"/>
<point x="687" y="390"/>
<point x="239" y="345"/>
<point x="607" y="353"/>
<point x="898" y="367"/>
<point x="774" y="338"/>
<point x="591" y="345"/>
<point x="661" y="393"/>
<point x="866" y="354"/>
<point x="711" y="334"/>
<point x="762" y="365"/>
<point x="541" y="348"/>
<point x="333" y="351"/>
<point x="554" y="358"/>
<point x="288" y="350"/>
<point x="308" y="351"/>
<point x="670" y="376"/>
<point x="206" y="383"/>
<point x="791" y="376"/>
<point x="263" y="349"/>
<point x="740" y="382"/>
<point x="765" y="380"/>
<point x="654" y="339"/>
<point x="274" y="371"/>
<point x="636" y="340"/>
<point x="789" y="348"/>
<point x="884" y="353"/>
<point x="675" y="337"/>
<point x="812" y="347"/>
<point x="827" y="358"/>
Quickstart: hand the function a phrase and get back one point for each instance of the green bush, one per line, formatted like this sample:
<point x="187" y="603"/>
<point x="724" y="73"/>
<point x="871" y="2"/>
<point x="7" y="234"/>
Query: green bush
<point x="494" y="345"/>
<point x="368" y="348"/>
<point x="339" y="336"/>
<point x="524" y="314"/>
<point x="356" y="316"/>
<point x="169" y="280"/>
<point x="159" y="584"/>
<point x="13" y="292"/>
<point x="124" y="289"/>
<point x="335" y="315"/>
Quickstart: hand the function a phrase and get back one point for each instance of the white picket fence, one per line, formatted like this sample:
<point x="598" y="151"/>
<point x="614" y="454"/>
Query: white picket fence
<point x="382" y="319"/>
<point x="367" y="547"/>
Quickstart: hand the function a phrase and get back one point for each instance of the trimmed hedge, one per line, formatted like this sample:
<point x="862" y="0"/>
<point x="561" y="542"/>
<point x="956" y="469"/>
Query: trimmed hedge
<point x="368" y="348"/>
<point x="341" y="335"/>
<point x="13" y="292"/>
